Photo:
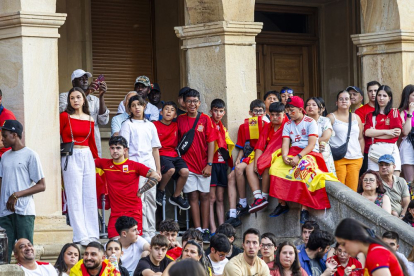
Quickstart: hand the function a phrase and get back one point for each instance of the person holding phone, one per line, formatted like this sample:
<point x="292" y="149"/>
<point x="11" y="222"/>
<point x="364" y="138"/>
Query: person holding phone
<point x="97" y="107"/>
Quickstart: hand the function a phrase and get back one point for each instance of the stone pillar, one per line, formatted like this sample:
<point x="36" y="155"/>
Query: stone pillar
<point x="29" y="81"/>
<point x="220" y="48"/>
<point x="386" y="44"/>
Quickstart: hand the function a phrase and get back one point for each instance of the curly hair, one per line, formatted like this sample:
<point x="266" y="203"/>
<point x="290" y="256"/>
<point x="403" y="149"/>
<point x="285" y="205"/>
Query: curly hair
<point x="169" y="225"/>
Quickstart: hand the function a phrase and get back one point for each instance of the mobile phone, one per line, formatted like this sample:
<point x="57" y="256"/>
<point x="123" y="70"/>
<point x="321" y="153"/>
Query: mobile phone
<point x="100" y="78"/>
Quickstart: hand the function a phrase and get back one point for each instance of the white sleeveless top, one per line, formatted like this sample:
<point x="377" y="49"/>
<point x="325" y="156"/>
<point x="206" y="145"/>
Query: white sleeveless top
<point x="341" y="130"/>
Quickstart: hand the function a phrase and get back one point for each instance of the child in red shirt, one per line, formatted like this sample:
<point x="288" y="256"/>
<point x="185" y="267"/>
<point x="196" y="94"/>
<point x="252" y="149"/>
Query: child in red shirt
<point x="199" y="159"/>
<point x="122" y="177"/>
<point x="247" y="137"/>
<point x="172" y="165"/>
<point x="219" y="171"/>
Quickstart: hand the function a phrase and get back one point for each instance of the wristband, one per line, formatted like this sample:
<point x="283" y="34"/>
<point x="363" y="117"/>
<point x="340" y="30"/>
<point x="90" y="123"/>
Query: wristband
<point x="300" y="156"/>
<point x="15" y="196"/>
<point x="409" y="115"/>
<point x="210" y="164"/>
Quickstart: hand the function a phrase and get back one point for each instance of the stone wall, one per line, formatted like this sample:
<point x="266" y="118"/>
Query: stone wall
<point x="345" y="203"/>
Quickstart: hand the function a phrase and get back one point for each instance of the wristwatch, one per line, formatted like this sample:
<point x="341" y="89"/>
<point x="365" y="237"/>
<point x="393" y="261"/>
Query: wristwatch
<point x="300" y="156"/>
<point x="210" y="164"/>
<point x="409" y="115"/>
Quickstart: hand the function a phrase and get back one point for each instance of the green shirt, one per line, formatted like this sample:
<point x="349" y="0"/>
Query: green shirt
<point x="397" y="193"/>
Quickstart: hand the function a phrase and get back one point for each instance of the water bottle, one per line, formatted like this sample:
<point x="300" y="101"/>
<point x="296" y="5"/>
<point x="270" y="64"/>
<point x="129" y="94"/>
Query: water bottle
<point x="114" y="261"/>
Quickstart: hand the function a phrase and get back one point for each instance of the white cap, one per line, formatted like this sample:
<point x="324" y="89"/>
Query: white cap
<point x="79" y="73"/>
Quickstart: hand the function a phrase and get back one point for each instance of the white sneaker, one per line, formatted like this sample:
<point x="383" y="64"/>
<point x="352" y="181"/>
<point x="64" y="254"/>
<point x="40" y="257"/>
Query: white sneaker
<point x="84" y="242"/>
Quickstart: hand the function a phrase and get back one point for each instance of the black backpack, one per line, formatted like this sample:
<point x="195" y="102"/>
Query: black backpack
<point x="187" y="138"/>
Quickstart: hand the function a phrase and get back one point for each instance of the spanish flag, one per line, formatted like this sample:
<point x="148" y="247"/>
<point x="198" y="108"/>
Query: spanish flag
<point x="224" y="141"/>
<point x="107" y="269"/>
<point x="304" y="183"/>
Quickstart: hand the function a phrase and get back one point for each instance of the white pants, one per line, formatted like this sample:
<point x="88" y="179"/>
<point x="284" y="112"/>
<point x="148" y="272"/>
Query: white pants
<point x="80" y="188"/>
<point x="149" y="208"/>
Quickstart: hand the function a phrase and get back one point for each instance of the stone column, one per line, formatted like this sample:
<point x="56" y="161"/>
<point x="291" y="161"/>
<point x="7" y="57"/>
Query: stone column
<point x="220" y="48"/>
<point x="29" y="81"/>
<point x="386" y="44"/>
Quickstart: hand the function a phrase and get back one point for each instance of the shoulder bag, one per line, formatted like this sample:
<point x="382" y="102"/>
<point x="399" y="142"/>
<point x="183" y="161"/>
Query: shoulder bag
<point x="66" y="149"/>
<point x="376" y="150"/>
<point x="340" y="152"/>
<point x="188" y="137"/>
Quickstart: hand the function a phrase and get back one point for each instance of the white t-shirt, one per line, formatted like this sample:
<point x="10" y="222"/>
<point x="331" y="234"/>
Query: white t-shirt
<point x="142" y="136"/>
<point x="43" y="269"/>
<point x="19" y="170"/>
<point x="151" y="112"/>
<point x="299" y="133"/>
<point x="132" y="254"/>
<point x="218" y="267"/>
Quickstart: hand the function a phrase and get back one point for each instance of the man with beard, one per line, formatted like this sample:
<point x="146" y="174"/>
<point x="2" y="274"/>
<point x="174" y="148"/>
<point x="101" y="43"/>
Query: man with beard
<point x="25" y="254"/>
<point x="97" y="107"/>
<point x="94" y="263"/>
<point x="311" y="259"/>
<point x="248" y="263"/>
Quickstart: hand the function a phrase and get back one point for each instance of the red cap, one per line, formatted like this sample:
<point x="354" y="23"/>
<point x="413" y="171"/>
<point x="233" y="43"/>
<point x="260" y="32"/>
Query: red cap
<point x="296" y="101"/>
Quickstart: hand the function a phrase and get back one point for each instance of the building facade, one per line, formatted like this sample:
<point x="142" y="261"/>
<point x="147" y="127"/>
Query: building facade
<point x="232" y="49"/>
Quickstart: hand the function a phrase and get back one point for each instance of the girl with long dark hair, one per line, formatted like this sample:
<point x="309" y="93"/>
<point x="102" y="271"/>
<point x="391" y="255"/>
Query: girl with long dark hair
<point x="286" y="261"/>
<point x="77" y="126"/>
<point x="407" y="144"/>
<point x="68" y="257"/>
<point x="382" y="128"/>
<point x="356" y="237"/>
<point x="113" y="250"/>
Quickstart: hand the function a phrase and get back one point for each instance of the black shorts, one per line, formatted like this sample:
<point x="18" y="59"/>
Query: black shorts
<point x="176" y="163"/>
<point x="219" y="175"/>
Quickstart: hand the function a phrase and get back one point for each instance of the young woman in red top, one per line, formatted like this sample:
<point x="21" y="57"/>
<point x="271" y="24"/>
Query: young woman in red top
<point x="76" y="125"/>
<point x="380" y="258"/>
<point x="383" y="126"/>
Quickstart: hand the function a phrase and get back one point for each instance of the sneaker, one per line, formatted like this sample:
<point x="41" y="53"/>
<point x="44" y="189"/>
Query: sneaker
<point x="206" y="236"/>
<point x="84" y="242"/>
<point x="241" y="211"/>
<point x="179" y="201"/>
<point x="235" y="222"/>
<point x="280" y="210"/>
<point x="160" y="197"/>
<point x="258" y="204"/>
<point x="304" y="216"/>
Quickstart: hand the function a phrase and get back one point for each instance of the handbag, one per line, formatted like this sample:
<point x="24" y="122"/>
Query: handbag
<point x="340" y="152"/>
<point x="66" y="149"/>
<point x="377" y="150"/>
<point x="187" y="139"/>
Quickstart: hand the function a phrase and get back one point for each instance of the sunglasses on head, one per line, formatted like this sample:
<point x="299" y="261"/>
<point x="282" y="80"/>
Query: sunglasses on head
<point x="289" y="91"/>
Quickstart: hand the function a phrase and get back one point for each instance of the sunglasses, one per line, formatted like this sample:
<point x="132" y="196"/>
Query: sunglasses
<point x="289" y="91"/>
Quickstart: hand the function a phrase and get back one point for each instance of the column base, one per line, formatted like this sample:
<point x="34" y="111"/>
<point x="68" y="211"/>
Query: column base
<point x="52" y="230"/>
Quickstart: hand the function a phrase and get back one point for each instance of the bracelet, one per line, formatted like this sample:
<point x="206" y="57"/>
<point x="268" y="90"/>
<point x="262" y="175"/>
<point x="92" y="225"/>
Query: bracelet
<point x="300" y="156"/>
<point x="15" y="196"/>
<point x="409" y="115"/>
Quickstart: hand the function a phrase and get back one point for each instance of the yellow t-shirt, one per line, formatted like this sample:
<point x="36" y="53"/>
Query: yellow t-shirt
<point x="237" y="266"/>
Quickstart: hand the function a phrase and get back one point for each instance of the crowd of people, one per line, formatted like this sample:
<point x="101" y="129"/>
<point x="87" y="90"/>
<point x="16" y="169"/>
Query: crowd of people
<point x="287" y="148"/>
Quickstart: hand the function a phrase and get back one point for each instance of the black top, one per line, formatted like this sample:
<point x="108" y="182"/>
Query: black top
<point x="236" y="251"/>
<point x="145" y="263"/>
<point x="124" y="271"/>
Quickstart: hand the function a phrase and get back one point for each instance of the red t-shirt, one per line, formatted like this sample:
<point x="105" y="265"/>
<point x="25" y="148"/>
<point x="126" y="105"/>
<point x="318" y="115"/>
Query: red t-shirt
<point x="5" y="115"/>
<point x="168" y="135"/>
<point x="340" y="270"/>
<point x="122" y="180"/>
<point x="243" y="137"/>
<point x="363" y="111"/>
<point x="390" y="121"/>
<point x="196" y="156"/>
<point x="379" y="257"/>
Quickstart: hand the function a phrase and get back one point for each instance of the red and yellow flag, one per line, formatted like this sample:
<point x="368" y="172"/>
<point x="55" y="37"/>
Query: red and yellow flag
<point x="305" y="183"/>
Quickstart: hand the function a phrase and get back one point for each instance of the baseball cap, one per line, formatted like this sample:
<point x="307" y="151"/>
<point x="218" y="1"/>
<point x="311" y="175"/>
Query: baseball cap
<point x="79" y="73"/>
<point x="183" y="90"/>
<point x="387" y="158"/>
<point x="296" y="101"/>
<point x="357" y="89"/>
<point x="144" y="80"/>
<point x="155" y="87"/>
<point x="13" y="126"/>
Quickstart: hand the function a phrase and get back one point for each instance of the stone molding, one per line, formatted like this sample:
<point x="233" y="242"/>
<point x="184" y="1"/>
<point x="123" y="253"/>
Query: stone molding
<point x="384" y="42"/>
<point x="52" y="230"/>
<point x="219" y="33"/>
<point x="30" y="24"/>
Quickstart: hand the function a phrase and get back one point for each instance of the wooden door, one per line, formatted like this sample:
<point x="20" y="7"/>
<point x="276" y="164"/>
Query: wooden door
<point x="287" y="65"/>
